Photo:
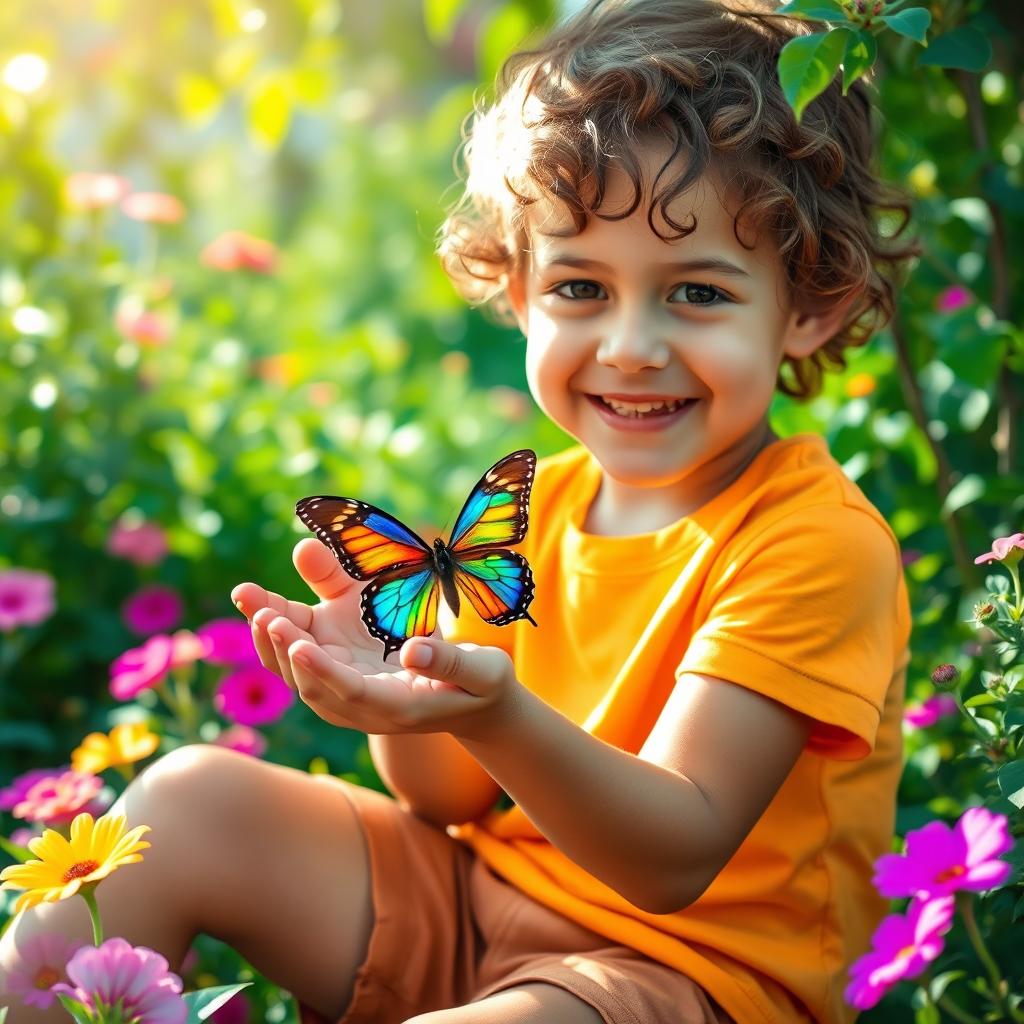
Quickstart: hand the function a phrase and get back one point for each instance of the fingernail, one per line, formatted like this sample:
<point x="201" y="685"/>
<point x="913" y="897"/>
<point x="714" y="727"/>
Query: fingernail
<point x="238" y="605"/>
<point x="419" y="656"/>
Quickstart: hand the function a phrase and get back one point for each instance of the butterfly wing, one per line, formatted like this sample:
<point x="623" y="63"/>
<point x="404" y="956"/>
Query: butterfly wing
<point x="497" y="509"/>
<point x="366" y="539"/>
<point x="401" y="604"/>
<point x="497" y="583"/>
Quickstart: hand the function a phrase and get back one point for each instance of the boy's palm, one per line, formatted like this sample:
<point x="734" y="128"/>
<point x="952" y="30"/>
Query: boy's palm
<point x="334" y="624"/>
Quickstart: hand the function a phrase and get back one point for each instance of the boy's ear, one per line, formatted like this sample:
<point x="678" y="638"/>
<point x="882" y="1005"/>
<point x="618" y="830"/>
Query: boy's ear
<point x="809" y="329"/>
<point x="515" y="290"/>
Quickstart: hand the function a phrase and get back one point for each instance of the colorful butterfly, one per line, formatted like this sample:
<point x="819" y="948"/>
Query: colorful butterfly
<point x="407" y="574"/>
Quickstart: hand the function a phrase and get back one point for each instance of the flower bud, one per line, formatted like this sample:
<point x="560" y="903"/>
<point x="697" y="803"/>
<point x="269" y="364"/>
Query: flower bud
<point x="984" y="611"/>
<point x="945" y="677"/>
<point x="878" y="7"/>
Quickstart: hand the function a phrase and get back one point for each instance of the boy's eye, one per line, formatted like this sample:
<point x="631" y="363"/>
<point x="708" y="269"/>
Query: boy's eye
<point x="583" y="290"/>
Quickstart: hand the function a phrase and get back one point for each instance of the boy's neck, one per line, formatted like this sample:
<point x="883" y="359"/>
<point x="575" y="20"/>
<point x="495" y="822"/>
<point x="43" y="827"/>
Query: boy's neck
<point x="621" y="511"/>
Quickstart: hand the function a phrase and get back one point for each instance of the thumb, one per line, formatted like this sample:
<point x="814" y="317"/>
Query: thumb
<point x="474" y="668"/>
<point x="319" y="567"/>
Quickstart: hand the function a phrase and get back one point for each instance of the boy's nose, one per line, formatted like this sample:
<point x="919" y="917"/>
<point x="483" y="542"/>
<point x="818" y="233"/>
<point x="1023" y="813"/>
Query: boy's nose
<point x="632" y="343"/>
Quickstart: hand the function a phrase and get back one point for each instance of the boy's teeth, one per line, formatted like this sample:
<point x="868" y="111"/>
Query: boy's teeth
<point x="640" y="408"/>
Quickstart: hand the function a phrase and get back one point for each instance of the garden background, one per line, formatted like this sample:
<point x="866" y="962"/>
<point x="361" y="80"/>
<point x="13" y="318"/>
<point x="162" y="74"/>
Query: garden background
<point x="174" y="375"/>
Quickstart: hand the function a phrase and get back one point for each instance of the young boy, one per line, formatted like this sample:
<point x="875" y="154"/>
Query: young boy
<point x="701" y="738"/>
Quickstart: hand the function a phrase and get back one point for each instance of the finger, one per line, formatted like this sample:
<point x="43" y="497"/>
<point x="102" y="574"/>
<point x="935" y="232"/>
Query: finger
<point x="327" y="685"/>
<point x="477" y="670"/>
<point x="265" y="646"/>
<point x="249" y="598"/>
<point x="318" y="566"/>
<point x="283" y="633"/>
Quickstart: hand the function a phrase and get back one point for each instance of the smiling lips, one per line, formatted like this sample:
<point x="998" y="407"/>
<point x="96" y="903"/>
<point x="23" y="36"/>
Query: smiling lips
<point x="651" y="412"/>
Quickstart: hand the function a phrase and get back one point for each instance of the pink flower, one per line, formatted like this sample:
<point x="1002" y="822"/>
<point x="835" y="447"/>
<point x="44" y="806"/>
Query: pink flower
<point x="152" y="609"/>
<point x="134" y="976"/>
<point x="143" y="326"/>
<point x="229" y="642"/>
<point x="901" y="948"/>
<point x="143" y="544"/>
<point x="1009" y="550"/>
<point x="16" y="791"/>
<point x="58" y="798"/>
<point x="154" y="207"/>
<point x="26" y="598"/>
<point x="953" y="298"/>
<point x="941" y="860"/>
<point x="141" y="668"/>
<point x="928" y="712"/>
<point x="188" y="648"/>
<point x="41" y="965"/>
<point x="22" y="836"/>
<point x="253" y="695"/>
<point x="243" y="739"/>
<point x="88" y="190"/>
<point x="237" y="250"/>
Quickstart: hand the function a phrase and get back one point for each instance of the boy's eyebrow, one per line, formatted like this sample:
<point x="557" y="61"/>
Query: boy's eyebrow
<point x="716" y="263"/>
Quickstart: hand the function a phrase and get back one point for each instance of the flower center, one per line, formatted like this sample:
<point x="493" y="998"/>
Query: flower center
<point x="80" y="870"/>
<point x="950" y="873"/>
<point x="11" y="601"/>
<point x="45" y="977"/>
<point x="254" y="695"/>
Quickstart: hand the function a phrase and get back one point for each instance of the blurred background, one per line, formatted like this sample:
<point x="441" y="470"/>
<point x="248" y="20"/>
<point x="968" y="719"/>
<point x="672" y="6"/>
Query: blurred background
<point x="218" y="295"/>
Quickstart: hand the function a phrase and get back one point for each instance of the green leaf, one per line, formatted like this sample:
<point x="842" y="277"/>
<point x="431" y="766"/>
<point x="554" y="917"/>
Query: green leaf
<point x="19" y="853"/>
<point x="962" y="47"/>
<point x="927" y="1014"/>
<point x="440" y="16"/>
<point x="913" y="23"/>
<point x="817" y="10"/>
<point x="204" y="1001"/>
<point x="938" y="985"/>
<point x="808" y="63"/>
<point x="3" y="1014"/>
<point x="980" y="700"/>
<point x="1011" y="783"/>
<point x="75" y="1008"/>
<point x="860" y="53"/>
<point x="964" y="492"/>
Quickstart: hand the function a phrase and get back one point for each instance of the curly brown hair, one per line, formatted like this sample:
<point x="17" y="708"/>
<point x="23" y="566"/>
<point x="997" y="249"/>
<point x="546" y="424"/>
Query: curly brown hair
<point x="702" y="74"/>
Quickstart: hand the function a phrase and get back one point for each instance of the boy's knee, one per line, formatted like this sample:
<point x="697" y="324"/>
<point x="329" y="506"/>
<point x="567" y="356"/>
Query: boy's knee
<point x="188" y="780"/>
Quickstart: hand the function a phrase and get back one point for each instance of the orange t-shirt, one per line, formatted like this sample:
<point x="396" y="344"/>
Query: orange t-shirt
<point x="788" y="582"/>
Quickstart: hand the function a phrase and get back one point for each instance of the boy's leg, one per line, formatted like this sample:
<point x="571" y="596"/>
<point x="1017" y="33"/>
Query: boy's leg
<point x="269" y="859"/>
<point x="529" y="1003"/>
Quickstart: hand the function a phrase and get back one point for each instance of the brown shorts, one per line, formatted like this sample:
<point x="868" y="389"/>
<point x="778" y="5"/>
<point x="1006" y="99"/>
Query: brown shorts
<point x="448" y="931"/>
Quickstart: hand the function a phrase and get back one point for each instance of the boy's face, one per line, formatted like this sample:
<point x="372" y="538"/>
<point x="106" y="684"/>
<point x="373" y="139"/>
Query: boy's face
<point x="605" y="312"/>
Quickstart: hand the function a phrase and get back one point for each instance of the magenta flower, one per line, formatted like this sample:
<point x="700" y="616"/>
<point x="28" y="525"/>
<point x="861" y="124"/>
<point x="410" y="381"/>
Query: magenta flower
<point x="229" y="642"/>
<point x="243" y="739"/>
<point x="26" y="598"/>
<point x="18" y="789"/>
<point x="42" y="963"/>
<point x="142" y="325"/>
<point x="929" y="711"/>
<point x="234" y="1011"/>
<point x="56" y="799"/>
<point x="134" y="976"/>
<point x="143" y="544"/>
<point x="152" y="609"/>
<point x="953" y="298"/>
<point x="253" y="695"/>
<point x="141" y="668"/>
<point x="1008" y="550"/>
<point x="941" y="860"/>
<point x="901" y="948"/>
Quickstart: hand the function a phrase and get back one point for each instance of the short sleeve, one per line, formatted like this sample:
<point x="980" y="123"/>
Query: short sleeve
<point x="806" y="614"/>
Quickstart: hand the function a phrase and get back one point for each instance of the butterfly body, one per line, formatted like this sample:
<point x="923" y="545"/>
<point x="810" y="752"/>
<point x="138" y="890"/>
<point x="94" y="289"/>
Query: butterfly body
<point x="407" y="576"/>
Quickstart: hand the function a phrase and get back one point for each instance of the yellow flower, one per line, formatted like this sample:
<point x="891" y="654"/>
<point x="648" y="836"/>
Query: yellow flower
<point x="860" y="385"/>
<point x="95" y="849"/>
<point x="125" y="745"/>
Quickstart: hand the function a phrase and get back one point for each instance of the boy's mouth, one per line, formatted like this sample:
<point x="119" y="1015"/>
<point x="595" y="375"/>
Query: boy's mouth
<point x="655" y="409"/>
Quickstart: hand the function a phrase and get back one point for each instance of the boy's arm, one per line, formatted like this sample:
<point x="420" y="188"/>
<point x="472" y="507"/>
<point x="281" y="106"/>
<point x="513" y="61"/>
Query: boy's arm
<point x="657" y="826"/>
<point x="434" y="776"/>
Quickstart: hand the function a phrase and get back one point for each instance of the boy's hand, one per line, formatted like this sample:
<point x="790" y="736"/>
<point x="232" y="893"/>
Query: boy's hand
<point x="326" y="654"/>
